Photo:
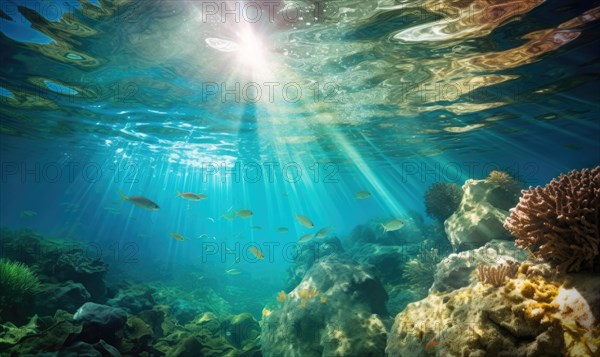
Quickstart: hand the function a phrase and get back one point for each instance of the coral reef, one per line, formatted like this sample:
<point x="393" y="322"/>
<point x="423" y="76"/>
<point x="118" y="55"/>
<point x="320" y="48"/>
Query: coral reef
<point x="496" y="275"/>
<point x="442" y="199"/>
<point x="480" y="215"/>
<point x="337" y="310"/>
<point x="454" y="271"/>
<point x="538" y="313"/>
<point x="561" y="220"/>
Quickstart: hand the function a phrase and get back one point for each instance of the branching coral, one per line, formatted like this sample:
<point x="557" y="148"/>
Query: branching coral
<point x="442" y="199"/>
<point x="495" y="275"/>
<point x="561" y="219"/>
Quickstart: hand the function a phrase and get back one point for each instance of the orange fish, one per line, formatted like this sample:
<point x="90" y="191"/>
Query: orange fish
<point x="257" y="253"/>
<point x="432" y="343"/>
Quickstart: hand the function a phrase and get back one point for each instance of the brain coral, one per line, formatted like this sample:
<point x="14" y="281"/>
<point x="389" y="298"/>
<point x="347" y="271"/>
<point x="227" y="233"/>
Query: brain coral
<point x="561" y="219"/>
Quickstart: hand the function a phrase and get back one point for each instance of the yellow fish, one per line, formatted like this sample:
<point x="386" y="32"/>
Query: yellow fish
<point x="305" y="221"/>
<point x="281" y="296"/>
<point x="282" y="230"/>
<point x="323" y="232"/>
<point x="140" y="201"/>
<point x="257" y="253"/>
<point x="177" y="236"/>
<point x="361" y="195"/>
<point x="266" y="312"/>
<point x="192" y="196"/>
<point x="392" y="225"/>
<point x="244" y="213"/>
<point x="306" y="238"/>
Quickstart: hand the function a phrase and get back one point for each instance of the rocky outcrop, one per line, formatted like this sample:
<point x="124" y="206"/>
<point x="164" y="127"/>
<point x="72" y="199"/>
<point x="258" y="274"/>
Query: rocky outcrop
<point x="535" y="314"/>
<point x="455" y="271"/>
<point x="481" y="214"/>
<point x="100" y="322"/>
<point x="337" y="309"/>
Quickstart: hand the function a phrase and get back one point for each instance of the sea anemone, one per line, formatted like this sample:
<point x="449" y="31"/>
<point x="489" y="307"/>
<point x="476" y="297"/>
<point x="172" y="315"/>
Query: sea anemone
<point x="561" y="220"/>
<point x="442" y="199"/>
<point x="419" y="271"/>
<point x="16" y="281"/>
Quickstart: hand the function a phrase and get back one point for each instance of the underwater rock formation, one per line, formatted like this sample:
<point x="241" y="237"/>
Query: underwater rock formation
<point x="481" y="214"/>
<point x="307" y="254"/>
<point x="80" y="268"/>
<point x="562" y="220"/>
<point x="100" y="322"/>
<point x="68" y="296"/>
<point x="442" y="200"/>
<point x="455" y="271"/>
<point x="133" y="299"/>
<point x="538" y="313"/>
<point x="337" y="310"/>
<point x="388" y="260"/>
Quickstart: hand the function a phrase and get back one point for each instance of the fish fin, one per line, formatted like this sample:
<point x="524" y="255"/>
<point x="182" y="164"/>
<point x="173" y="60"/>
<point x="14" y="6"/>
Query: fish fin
<point x="383" y="227"/>
<point x="123" y="197"/>
<point x="179" y="194"/>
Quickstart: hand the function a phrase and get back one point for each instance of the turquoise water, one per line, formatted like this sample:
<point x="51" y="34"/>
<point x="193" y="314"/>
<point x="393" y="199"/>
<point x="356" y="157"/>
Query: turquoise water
<point x="280" y="108"/>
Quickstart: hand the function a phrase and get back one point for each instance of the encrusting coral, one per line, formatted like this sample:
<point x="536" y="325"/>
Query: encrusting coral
<point x="561" y="220"/>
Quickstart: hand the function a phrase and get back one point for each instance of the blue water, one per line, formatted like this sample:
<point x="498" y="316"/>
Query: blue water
<point x="138" y="99"/>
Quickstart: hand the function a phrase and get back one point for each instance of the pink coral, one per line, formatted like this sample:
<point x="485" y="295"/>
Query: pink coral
<point x="562" y="220"/>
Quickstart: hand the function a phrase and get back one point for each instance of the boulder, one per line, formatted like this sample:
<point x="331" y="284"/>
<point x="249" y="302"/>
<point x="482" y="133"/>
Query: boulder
<point x="78" y="267"/>
<point x="100" y="322"/>
<point x="455" y="271"/>
<point x="338" y="309"/>
<point x="66" y="296"/>
<point x="481" y="214"/>
<point x="306" y="254"/>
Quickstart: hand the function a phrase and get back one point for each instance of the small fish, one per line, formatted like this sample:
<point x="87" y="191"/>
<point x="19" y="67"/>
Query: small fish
<point x="281" y="296"/>
<point x="256" y="228"/>
<point x="392" y="225"/>
<point x="140" y="201"/>
<point x="323" y="232"/>
<point x="266" y="312"/>
<point x="190" y="196"/>
<point x="305" y="221"/>
<point x="432" y="343"/>
<point x="233" y="271"/>
<point x="257" y="253"/>
<point x="362" y="195"/>
<point x="244" y="213"/>
<point x="306" y="238"/>
<point x="282" y="230"/>
<point x="228" y="216"/>
<point x="177" y="236"/>
<point x="211" y="219"/>
<point x="28" y="214"/>
<point x="323" y="299"/>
